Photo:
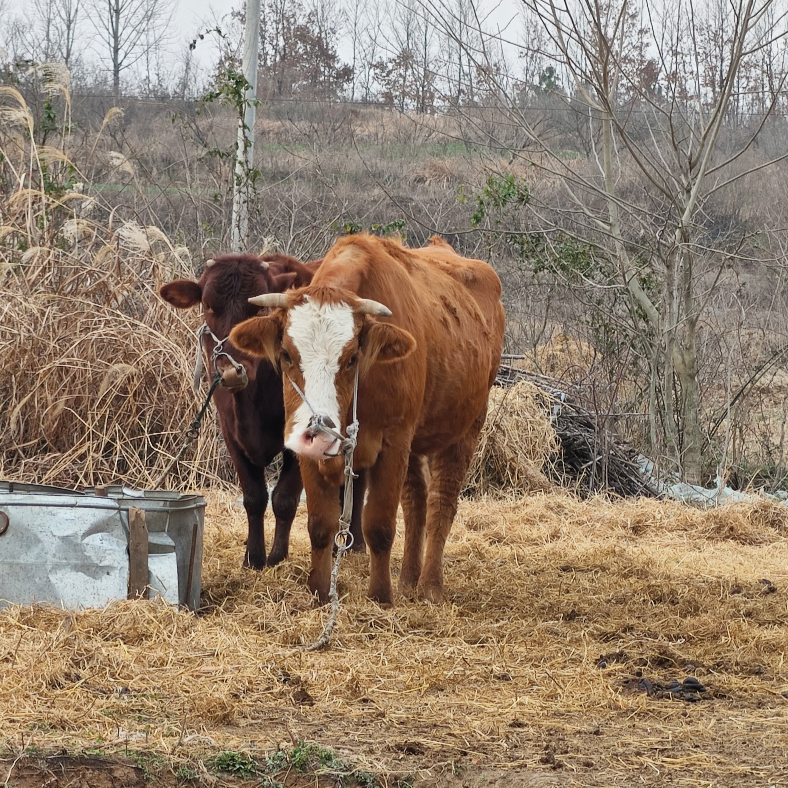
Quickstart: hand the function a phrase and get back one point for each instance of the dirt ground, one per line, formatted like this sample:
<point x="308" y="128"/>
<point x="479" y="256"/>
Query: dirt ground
<point x="582" y="644"/>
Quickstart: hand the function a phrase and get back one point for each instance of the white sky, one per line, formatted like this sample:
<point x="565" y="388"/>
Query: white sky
<point x="195" y="16"/>
<point x="192" y="15"/>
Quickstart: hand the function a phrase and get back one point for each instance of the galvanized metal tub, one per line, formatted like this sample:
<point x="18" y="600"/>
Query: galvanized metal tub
<point x="70" y="548"/>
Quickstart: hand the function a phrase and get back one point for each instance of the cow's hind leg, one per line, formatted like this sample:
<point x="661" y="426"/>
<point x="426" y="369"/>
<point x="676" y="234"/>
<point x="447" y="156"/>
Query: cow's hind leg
<point x="284" y="502"/>
<point x="447" y="474"/>
<point x="414" y="509"/>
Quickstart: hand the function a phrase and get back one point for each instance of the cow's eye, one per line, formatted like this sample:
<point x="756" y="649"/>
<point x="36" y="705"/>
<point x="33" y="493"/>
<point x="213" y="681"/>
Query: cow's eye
<point x="352" y="361"/>
<point x="286" y="357"/>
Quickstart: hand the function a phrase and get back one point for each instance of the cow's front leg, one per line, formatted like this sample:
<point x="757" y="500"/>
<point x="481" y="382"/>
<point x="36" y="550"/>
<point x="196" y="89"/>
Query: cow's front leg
<point x="322" y="504"/>
<point x="379" y="519"/>
<point x="255" y="497"/>
<point x="284" y="502"/>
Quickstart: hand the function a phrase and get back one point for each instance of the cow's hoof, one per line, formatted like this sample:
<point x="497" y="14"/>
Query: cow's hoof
<point x="319" y="589"/>
<point x="254" y="562"/>
<point x="276" y="558"/>
<point x="432" y="594"/>
<point x="408" y="580"/>
<point x="407" y="590"/>
<point x="319" y="599"/>
<point x="385" y="598"/>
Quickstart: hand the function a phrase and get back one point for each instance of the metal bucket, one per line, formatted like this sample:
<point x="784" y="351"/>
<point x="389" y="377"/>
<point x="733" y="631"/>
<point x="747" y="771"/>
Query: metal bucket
<point x="70" y="548"/>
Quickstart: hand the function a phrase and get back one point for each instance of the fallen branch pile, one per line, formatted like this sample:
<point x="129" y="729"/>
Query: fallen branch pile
<point x="589" y="458"/>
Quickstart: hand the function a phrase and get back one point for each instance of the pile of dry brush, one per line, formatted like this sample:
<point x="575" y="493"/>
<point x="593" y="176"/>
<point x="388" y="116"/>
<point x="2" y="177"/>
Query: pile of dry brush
<point x="536" y="438"/>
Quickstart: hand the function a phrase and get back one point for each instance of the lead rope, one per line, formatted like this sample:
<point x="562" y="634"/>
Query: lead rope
<point x="344" y="539"/>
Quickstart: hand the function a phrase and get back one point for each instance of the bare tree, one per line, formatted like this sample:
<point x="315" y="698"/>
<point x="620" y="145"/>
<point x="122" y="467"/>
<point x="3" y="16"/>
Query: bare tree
<point x="127" y="30"/>
<point x="657" y="83"/>
<point x="45" y="30"/>
<point x="407" y="76"/>
<point x="68" y="16"/>
<point x="367" y="22"/>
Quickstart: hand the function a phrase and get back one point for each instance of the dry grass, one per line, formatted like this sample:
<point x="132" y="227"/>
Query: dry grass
<point x="504" y="675"/>
<point x="515" y="444"/>
<point x="95" y="373"/>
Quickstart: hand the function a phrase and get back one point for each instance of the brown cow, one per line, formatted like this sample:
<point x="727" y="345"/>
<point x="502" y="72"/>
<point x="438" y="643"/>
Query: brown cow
<point x="424" y="329"/>
<point x="249" y="402"/>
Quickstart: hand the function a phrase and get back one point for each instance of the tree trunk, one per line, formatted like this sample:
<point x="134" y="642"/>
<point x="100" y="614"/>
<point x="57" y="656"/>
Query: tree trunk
<point x="244" y="155"/>
<point x="687" y="370"/>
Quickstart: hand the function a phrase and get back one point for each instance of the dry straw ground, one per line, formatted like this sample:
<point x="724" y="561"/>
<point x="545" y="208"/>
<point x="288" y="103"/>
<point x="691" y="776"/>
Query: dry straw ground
<point x="529" y="669"/>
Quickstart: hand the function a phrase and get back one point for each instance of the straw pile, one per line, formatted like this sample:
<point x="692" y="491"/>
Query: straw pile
<point x="531" y="665"/>
<point x="515" y="444"/>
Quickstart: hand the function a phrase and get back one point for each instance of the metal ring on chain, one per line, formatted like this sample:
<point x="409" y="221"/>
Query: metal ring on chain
<point x="4" y="523"/>
<point x="348" y="540"/>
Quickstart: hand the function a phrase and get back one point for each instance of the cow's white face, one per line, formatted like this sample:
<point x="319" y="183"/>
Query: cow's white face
<point x="321" y="340"/>
<point x="321" y="335"/>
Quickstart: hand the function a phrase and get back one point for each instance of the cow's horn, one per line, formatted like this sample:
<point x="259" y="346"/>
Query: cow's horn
<point x="274" y="300"/>
<point x="264" y="264"/>
<point x="209" y="263"/>
<point x="369" y="307"/>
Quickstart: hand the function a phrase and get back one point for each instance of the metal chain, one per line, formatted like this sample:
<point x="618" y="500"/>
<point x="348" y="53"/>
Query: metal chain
<point x="191" y="432"/>
<point x="218" y="350"/>
<point x="343" y="539"/>
<point x="193" y="429"/>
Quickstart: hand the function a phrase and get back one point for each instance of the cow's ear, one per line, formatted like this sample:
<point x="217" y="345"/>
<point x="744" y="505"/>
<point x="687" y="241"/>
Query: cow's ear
<point x="182" y="293"/>
<point x="382" y="343"/>
<point x="282" y="282"/>
<point x="260" y="336"/>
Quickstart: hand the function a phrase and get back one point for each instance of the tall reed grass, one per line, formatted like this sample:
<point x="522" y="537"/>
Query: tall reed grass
<point x="95" y="370"/>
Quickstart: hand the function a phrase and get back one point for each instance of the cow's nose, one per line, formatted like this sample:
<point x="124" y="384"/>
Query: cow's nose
<point x="316" y="425"/>
<point x="234" y="377"/>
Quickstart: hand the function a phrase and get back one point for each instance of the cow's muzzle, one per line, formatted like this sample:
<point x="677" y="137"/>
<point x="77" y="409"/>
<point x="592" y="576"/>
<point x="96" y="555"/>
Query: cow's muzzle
<point x="318" y="440"/>
<point x="234" y="377"/>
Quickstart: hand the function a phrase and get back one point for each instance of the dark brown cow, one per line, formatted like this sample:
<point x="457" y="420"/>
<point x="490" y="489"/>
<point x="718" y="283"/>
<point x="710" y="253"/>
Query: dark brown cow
<point x="249" y="402"/>
<point x="424" y="329"/>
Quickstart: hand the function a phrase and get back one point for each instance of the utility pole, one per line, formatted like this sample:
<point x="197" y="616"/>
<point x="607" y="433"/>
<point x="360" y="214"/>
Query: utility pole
<point x="245" y="146"/>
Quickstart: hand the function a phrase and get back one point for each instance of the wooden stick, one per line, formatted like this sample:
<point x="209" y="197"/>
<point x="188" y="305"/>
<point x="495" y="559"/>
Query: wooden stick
<point x="138" y="554"/>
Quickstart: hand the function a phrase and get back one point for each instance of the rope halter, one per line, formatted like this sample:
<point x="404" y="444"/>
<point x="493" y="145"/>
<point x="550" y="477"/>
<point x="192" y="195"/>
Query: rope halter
<point x="218" y="350"/>
<point x="347" y="445"/>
